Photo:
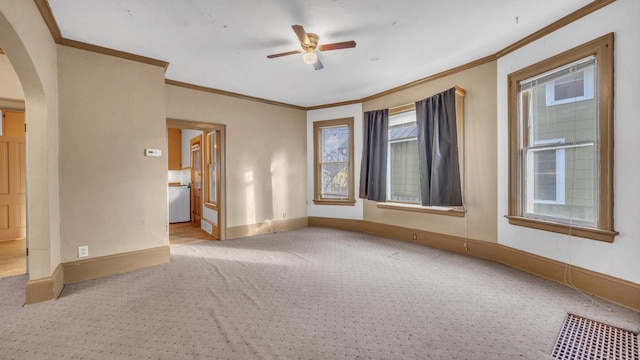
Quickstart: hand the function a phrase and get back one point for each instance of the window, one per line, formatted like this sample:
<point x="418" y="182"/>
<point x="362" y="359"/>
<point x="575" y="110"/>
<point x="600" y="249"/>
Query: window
<point x="333" y="158"/>
<point x="403" y="167"/>
<point x="561" y="143"/>
<point x="403" y="173"/>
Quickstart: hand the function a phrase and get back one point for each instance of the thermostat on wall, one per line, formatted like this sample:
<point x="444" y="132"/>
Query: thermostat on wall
<point x="153" y="152"/>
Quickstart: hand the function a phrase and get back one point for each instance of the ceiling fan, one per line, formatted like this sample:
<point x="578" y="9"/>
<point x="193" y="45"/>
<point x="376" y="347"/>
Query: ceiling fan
<point x="309" y="43"/>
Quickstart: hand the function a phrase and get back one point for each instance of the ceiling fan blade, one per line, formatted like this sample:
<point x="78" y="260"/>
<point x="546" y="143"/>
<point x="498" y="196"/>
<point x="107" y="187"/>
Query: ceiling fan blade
<point x="284" y="54"/>
<point x="318" y="65"/>
<point x="301" y="33"/>
<point x="337" y="46"/>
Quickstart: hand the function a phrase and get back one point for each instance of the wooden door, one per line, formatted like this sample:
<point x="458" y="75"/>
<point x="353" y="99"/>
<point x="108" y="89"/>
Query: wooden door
<point x="196" y="179"/>
<point x="13" y="214"/>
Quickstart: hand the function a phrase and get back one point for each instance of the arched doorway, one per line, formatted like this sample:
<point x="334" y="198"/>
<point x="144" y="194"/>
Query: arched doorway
<point x="32" y="53"/>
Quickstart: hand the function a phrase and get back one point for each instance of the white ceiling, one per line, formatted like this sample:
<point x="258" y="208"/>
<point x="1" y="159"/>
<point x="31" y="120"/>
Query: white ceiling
<point x="223" y="44"/>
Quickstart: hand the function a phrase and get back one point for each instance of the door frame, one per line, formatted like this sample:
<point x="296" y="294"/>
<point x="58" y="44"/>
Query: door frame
<point x="196" y="209"/>
<point x="222" y="186"/>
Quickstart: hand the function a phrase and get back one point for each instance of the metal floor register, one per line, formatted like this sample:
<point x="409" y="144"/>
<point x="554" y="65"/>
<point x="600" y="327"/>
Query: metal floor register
<point x="582" y="338"/>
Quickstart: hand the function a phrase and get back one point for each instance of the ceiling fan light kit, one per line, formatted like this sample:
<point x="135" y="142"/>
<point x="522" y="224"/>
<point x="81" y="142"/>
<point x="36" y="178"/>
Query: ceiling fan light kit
<point x="310" y="58"/>
<point x="309" y="44"/>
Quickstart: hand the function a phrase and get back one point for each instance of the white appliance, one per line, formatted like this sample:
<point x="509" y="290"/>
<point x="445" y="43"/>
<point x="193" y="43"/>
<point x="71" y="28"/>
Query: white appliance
<point x="179" y="203"/>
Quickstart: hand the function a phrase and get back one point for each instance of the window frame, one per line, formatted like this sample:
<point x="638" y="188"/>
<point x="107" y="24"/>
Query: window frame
<point x="212" y="146"/>
<point x="317" y="173"/>
<point x="602" y="49"/>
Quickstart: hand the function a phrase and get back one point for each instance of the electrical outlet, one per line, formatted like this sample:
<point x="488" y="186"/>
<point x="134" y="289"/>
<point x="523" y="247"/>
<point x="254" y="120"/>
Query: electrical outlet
<point x="284" y="215"/>
<point x="83" y="251"/>
<point x="415" y="236"/>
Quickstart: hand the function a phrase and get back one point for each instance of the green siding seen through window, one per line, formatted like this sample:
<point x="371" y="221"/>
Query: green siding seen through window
<point x="403" y="176"/>
<point x="565" y="134"/>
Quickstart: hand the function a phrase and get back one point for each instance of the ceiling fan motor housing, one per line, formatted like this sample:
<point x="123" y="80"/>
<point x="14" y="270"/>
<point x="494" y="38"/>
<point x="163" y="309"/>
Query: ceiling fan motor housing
<point x="313" y="43"/>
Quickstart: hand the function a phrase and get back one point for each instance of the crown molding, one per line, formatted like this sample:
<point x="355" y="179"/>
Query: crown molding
<point x="332" y="105"/>
<point x="576" y="15"/>
<point x="56" y="34"/>
<point x="564" y="21"/>
<point x="47" y="16"/>
<point x="231" y="94"/>
<point x="406" y="86"/>
<point x="111" y="52"/>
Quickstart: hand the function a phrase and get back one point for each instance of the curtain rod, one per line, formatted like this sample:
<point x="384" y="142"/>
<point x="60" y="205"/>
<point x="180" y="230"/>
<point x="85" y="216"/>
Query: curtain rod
<point x="406" y="107"/>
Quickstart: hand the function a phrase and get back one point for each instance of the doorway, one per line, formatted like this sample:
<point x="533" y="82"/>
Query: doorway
<point x="13" y="214"/>
<point x="202" y="168"/>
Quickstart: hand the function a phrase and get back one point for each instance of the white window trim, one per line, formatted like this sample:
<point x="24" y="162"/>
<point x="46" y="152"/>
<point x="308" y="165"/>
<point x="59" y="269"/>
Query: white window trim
<point x="588" y="83"/>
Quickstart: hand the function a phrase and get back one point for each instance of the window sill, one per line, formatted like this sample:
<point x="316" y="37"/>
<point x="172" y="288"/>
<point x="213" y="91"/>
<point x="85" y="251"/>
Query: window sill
<point x="437" y="210"/>
<point x="584" y="232"/>
<point x="335" y="202"/>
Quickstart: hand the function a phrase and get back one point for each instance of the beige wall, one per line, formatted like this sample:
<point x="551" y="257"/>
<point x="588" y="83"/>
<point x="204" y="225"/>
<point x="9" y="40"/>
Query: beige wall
<point x="28" y="44"/>
<point x="480" y="222"/>
<point x="113" y="198"/>
<point x="265" y="154"/>
<point x="11" y="88"/>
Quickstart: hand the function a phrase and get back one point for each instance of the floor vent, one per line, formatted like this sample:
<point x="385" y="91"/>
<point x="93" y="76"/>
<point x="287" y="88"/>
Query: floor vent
<point x="582" y="338"/>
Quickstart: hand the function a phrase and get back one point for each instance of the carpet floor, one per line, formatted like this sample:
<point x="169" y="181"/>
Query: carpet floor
<point x="312" y="293"/>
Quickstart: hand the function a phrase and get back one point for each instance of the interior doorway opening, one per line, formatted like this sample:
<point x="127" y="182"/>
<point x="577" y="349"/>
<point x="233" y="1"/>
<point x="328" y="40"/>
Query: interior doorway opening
<point x="196" y="171"/>
<point x="13" y="211"/>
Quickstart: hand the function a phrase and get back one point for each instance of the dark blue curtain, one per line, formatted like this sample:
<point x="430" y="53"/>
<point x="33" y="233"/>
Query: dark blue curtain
<point x="373" y="170"/>
<point x="438" y="150"/>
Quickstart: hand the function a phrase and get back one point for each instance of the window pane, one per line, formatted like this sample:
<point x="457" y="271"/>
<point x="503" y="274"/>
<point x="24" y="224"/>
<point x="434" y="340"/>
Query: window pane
<point x="573" y="119"/>
<point x="570" y="86"/>
<point x="578" y="178"/>
<point x="544" y="172"/>
<point x="403" y="131"/>
<point x="212" y="183"/>
<point x="335" y="144"/>
<point x="404" y="171"/>
<point x="335" y="181"/>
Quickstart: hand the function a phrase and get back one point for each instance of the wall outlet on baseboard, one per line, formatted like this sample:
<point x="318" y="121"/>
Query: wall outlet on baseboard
<point x="415" y="236"/>
<point x="83" y="251"/>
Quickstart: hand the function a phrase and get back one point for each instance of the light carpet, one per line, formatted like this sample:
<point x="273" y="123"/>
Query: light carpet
<point x="312" y="293"/>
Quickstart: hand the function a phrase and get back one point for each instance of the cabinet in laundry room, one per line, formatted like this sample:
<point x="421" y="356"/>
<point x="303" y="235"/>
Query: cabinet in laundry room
<point x="174" y="139"/>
